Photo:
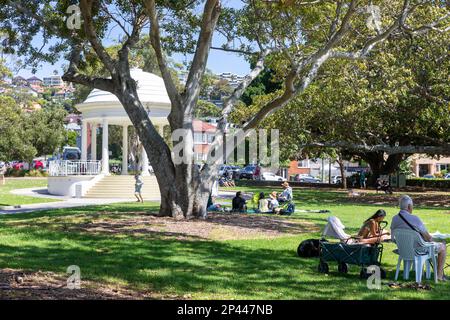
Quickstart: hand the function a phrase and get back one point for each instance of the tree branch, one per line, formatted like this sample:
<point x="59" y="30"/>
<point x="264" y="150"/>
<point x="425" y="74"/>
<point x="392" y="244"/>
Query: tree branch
<point x="73" y="75"/>
<point x="209" y="20"/>
<point x="233" y="50"/>
<point x="155" y="39"/>
<point x="86" y="11"/>
<point x="240" y="89"/>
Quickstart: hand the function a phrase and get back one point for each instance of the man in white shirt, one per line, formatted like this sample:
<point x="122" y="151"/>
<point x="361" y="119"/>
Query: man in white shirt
<point x="406" y="220"/>
<point x="286" y="195"/>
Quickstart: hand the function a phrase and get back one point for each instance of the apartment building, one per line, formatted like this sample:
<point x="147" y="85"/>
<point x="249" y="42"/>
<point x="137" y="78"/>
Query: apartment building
<point x="423" y="164"/>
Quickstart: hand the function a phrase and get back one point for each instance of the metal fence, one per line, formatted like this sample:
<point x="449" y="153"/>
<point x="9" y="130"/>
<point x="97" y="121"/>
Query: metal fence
<point x="74" y="168"/>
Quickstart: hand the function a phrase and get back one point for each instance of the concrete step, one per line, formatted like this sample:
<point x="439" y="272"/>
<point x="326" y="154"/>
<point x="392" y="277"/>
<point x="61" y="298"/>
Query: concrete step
<point x="125" y="194"/>
<point x="122" y="187"/>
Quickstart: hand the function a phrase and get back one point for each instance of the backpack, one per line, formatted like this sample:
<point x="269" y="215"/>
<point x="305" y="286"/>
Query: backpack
<point x="309" y="248"/>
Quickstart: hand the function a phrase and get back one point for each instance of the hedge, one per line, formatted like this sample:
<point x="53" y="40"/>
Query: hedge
<point x="416" y="182"/>
<point x="10" y="172"/>
<point x="264" y="183"/>
<point x="428" y="183"/>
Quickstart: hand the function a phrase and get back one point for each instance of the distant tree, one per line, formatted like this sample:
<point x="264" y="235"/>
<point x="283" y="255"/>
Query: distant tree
<point x="207" y="84"/>
<point x="71" y="139"/>
<point x="45" y="130"/>
<point x="263" y="84"/>
<point x="220" y="89"/>
<point x="205" y="109"/>
<point x="379" y="110"/>
<point x="14" y="142"/>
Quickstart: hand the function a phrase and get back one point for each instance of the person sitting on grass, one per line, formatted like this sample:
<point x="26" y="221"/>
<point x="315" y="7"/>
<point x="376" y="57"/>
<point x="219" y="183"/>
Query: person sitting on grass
<point x="239" y="203"/>
<point x="273" y="201"/>
<point x="371" y="232"/>
<point x="139" y="182"/>
<point x="211" y="206"/>
<point x="263" y="204"/>
<point x="286" y="195"/>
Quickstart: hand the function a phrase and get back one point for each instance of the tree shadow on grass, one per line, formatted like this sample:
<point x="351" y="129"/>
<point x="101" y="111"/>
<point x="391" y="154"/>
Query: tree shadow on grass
<point x="201" y="268"/>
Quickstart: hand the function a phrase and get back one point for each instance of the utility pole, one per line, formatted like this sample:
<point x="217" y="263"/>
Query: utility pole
<point x="329" y="172"/>
<point x="322" y="167"/>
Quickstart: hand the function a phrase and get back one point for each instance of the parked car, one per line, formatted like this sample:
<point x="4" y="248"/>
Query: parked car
<point x="336" y="179"/>
<point x="306" y="178"/>
<point x="428" y="176"/>
<point x="18" y="166"/>
<point x="71" y="153"/>
<point x="236" y="169"/>
<point x="248" y="172"/>
<point x="269" y="176"/>
<point x="223" y="169"/>
<point x="38" y="164"/>
<point x="447" y="176"/>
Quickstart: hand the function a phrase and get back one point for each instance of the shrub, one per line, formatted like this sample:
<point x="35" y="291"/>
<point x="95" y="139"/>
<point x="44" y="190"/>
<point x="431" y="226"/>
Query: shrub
<point x="10" y="172"/>
<point x="36" y="173"/>
<point x="428" y="183"/>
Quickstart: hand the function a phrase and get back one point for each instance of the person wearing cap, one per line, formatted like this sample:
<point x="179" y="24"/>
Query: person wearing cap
<point x="286" y="195"/>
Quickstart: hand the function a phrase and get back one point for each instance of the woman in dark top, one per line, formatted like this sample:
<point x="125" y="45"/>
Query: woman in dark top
<point x="239" y="203"/>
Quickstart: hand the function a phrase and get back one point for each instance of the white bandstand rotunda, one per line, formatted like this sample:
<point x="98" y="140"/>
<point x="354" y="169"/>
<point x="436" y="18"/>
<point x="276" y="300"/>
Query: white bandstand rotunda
<point x="101" y="109"/>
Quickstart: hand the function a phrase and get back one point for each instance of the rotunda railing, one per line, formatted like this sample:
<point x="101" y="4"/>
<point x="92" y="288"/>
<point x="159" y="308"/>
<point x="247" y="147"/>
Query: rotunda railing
<point x="74" y="168"/>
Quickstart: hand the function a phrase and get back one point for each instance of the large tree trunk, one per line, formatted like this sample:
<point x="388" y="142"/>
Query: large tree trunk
<point x="183" y="198"/>
<point x="183" y="193"/>
<point x="381" y="166"/>
<point x="340" y="161"/>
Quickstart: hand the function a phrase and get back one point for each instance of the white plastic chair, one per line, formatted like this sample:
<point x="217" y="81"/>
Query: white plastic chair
<point x="413" y="249"/>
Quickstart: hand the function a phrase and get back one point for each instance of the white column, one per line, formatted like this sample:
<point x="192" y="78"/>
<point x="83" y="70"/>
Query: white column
<point x="125" y="149"/>
<point x="144" y="162"/>
<point x="84" y="128"/>
<point x="93" y="141"/>
<point x="105" y="149"/>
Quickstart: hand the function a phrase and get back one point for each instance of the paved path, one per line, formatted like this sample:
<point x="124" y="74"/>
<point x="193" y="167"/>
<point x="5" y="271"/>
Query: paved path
<point x="68" y="202"/>
<point x="65" y="202"/>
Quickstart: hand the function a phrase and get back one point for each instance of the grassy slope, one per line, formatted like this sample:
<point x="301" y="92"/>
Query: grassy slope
<point x="244" y="269"/>
<point x="9" y="199"/>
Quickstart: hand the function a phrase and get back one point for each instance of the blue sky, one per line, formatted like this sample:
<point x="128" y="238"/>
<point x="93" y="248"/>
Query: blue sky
<point x="218" y="62"/>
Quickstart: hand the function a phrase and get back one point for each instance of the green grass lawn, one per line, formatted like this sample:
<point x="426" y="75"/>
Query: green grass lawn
<point x="203" y="269"/>
<point x="9" y="199"/>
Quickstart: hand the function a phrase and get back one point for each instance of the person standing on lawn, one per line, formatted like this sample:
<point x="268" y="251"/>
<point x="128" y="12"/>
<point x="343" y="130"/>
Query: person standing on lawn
<point x="362" y="179"/>
<point x="257" y="172"/>
<point x="139" y="182"/>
